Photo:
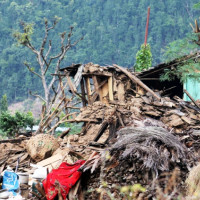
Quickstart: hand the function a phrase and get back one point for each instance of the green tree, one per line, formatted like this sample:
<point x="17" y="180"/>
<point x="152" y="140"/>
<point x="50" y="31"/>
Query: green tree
<point x="188" y="66"/>
<point x="143" y="58"/>
<point x="11" y="124"/>
<point x="4" y="103"/>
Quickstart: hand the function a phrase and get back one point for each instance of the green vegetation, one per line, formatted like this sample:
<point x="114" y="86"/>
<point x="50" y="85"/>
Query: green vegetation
<point x="176" y="50"/>
<point x="4" y="104"/>
<point x="143" y="58"/>
<point x="113" y="33"/>
<point x="10" y="125"/>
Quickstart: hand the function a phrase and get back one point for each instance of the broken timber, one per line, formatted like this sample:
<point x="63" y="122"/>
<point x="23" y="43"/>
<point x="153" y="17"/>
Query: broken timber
<point x="137" y="81"/>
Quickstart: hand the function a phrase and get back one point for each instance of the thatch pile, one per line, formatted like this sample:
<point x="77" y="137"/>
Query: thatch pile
<point x="154" y="146"/>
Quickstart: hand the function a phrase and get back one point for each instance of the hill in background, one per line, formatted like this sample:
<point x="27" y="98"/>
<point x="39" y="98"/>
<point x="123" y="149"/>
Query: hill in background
<point x="113" y="32"/>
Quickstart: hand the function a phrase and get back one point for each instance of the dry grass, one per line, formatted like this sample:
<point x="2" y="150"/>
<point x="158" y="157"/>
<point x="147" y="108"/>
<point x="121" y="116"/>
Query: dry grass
<point x="193" y="181"/>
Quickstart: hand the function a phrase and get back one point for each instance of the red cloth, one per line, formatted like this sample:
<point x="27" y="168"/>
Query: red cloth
<point x="67" y="175"/>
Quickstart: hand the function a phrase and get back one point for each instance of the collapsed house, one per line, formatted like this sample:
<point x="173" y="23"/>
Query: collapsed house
<point x="135" y="130"/>
<point x="174" y="87"/>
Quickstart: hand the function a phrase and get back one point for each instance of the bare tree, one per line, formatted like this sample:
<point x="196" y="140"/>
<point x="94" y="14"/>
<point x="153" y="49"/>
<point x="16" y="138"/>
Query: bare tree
<point x="44" y="57"/>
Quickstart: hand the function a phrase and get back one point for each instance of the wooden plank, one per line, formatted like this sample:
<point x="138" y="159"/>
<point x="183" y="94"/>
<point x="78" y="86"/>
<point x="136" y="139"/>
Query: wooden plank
<point x="51" y="162"/>
<point x="104" y="92"/>
<point x="71" y="85"/>
<point x="120" y="92"/>
<point x="137" y="81"/>
<point x="102" y="128"/>
<point x="110" y="88"/>
<point x="96" y="86"/>
<point x="108" y="74"/>
<point x="95" y="94"/>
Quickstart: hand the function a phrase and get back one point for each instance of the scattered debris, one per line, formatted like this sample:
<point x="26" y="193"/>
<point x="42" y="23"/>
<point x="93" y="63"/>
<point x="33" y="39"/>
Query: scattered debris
<point x="131" y="134"/>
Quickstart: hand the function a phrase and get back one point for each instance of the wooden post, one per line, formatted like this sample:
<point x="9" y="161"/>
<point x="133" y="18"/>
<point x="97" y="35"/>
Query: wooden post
<point x="110" y="88"/>
<point x="96" y="86"/>
<point x="147" y="26"/>
<point x="137" y="81"/>
<point x="88" y="88"/>
<point x="83" y="92"/>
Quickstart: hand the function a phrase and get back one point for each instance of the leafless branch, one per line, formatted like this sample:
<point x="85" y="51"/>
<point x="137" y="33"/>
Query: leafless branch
<point x="56" y="92"/>
<point x="37" y="95"/>
<point x="45" y="58"/>
<point x="76" y="42"/>
<point x="45" y="37"/>
<point x="47" y="54"/>
<point x="30" y="46"/>
<point x="29" y="68"/>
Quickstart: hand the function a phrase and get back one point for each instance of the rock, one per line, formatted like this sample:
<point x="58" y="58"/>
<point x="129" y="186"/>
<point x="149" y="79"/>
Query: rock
<point x="41" y="146"/>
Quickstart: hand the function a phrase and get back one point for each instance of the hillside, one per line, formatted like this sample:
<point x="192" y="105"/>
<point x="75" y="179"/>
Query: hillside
<point x="113" y="32"/>
<point x="34" y="106"/>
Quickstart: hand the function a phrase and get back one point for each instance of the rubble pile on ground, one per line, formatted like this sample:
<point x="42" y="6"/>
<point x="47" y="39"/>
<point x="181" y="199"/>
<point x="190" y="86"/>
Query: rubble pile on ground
<point x="130" y="135"/>
<point x="13" y="150"/>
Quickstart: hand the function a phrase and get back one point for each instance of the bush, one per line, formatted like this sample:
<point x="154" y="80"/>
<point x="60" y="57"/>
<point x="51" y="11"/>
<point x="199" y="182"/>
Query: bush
<point x="11" y="124"/>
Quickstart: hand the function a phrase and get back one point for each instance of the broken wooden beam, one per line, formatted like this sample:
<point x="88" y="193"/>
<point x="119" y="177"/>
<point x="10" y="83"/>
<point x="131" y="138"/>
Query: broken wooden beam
<point x="103" y="127"/>
<point x="137" y="81"/>
<point x="96" y="86"/>
<point x="88" y="88"/>
<point x="110" y="88"/>
<point x="64" y="133"/>
<point x="83" y="92"/>
<point x="81" y="120"/>
<point x="13" y="140"/>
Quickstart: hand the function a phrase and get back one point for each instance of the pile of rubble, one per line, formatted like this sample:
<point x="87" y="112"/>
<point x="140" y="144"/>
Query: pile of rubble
<point x="130" y="135"/>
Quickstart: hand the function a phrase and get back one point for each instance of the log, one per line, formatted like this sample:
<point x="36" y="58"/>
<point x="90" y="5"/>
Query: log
<point x="81" y="120"/>
<point x="112" y="130"/>
<point x="64" y="133"/>
<point x="13" y="140"/>
<point x="83" y="92"/>
<point x="51" y="117"/>
<point x="137" y="81"/>
<point x="96" y="144"/>
<point x="120" y="119"/>
<point x="103" y="127"/>
<point x="85" y="128"/>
